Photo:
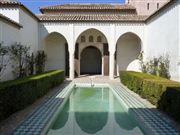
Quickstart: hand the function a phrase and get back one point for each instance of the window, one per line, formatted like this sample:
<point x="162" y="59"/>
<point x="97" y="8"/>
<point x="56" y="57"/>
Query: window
<point x="99" y="39"/>
<point x="91" y="39"/>
<point x="157" y="5"/>
<point x="148" y="6"/>
<point x="83" y="39"/>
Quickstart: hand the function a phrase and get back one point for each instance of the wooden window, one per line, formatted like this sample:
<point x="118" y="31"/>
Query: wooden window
<point x="148" y="6"/>
<point x="157" y="5"/>
<point x="83" y="39"/>
<point x="91" y="39"/>
<point x="99" y="39"/>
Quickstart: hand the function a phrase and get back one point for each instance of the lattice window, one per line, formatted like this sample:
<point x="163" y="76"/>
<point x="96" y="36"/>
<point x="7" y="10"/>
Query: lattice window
<point x="99" y="39"/>
<point x="91" y="39"/>
<point x="83" y="39"/>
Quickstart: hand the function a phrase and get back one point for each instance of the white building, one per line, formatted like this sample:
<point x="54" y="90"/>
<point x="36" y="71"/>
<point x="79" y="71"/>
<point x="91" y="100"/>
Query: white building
<point x="96" y="38"/>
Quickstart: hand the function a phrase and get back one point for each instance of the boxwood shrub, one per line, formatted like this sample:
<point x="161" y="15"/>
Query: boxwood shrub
<point x="170" y="102"/>
<point x="155" y="89"/>
<point x="17" y="94"/>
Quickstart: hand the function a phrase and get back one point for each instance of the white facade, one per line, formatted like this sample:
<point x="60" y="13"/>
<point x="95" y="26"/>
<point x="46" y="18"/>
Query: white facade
<point x="163" y="38"/>
<point x="158" y="36"/>
<point x="29" y="34"/>
<point x="9" y="34"/>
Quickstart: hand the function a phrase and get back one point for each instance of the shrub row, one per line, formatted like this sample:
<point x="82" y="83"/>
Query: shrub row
<point x="17" y="94"/>
<point x="159" y="91"/>
<point x="170" y="102"/>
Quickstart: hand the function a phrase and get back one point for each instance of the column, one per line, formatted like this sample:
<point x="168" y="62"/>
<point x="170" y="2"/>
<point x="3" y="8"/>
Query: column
<point x="112" y="48"/>
<point x="102" y="65"/>
<point x="71" y="51"/>
<point x="71" y="65"/>
<point x="111" y="66"/>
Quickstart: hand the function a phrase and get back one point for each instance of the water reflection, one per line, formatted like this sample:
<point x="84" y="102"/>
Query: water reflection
<point x="62" y="117"/>
<point x="94" y="111"/>
<point x="91" y="122"/>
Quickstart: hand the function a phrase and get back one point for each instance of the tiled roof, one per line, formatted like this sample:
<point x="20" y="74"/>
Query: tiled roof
<point x="9" y="2"/>
<point x="10" y="21"/>
<point x="88" y="7"/>
<point x="15" y="3"/>
<point x="91" y="17"/>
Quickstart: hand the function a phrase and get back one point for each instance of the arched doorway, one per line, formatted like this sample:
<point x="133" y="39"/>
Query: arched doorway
<point x="91" y="61"/>
<point x="56" y="48"/>
<point x="94" y="38"/>
<point x="127" y="51"/>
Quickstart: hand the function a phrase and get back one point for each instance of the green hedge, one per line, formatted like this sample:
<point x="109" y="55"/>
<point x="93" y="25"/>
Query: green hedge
<point x="17" y="94"/>
<point x="153" y="88"/>
<point x="170" y="102"/>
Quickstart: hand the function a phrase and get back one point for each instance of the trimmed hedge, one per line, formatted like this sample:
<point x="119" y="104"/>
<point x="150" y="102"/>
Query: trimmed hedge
<point x="18" y="94"/>
<point x="170" y="102"/>
<point x="154" y="89"/>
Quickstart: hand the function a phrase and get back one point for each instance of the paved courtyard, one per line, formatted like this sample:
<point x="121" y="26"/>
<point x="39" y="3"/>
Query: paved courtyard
<point x="34" y="118"/>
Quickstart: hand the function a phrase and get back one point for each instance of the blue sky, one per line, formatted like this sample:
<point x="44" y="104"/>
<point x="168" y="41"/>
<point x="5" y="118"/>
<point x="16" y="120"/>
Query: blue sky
<point x="34" y="5"/>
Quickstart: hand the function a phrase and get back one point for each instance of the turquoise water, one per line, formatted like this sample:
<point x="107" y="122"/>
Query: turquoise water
<point x="94" y="111"/>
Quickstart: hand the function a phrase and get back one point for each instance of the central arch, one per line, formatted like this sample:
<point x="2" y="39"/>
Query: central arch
<point x="91" y="62"/>
<point x="84" y="47"/>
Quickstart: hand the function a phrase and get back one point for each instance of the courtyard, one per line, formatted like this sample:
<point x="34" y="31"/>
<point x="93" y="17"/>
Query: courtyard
<point x="90" y="68"/>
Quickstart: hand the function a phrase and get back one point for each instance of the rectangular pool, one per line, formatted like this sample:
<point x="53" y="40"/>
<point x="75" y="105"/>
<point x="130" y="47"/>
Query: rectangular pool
<point x="97" y="111"/>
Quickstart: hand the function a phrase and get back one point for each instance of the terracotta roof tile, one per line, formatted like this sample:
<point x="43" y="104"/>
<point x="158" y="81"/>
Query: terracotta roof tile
<point x="9" y="2"/>
<point x="91" y="17"/>
<point x="15" y="3"/>
<point x="88" y="7"/>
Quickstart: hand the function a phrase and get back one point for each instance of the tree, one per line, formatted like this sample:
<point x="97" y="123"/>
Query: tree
<point x="3" y="60"/>
<point x="31" y="62"/>
<point x="40" y="61"/>
<point x="156" y="66"/>
<point x="19" y="55"/>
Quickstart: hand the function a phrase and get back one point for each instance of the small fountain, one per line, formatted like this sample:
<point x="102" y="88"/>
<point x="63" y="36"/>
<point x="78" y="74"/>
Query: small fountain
<point x="91" y="78"/>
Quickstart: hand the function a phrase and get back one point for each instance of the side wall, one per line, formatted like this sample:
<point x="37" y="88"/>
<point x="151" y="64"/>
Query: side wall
<point x="146" y="7"/>
<point x="163" y="37"/>
<point x="8" y="36"/>
<point x="29" y="33"/>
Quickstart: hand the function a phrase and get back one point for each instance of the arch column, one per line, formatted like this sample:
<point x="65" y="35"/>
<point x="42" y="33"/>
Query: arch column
<point x="71" y="65"/>
<point x="112" y="46"/>
<point x="71" y="51"/>
<point x="111" y="66"/>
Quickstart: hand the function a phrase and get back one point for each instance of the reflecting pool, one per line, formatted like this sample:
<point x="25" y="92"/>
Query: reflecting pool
<point x="94" y="111"/>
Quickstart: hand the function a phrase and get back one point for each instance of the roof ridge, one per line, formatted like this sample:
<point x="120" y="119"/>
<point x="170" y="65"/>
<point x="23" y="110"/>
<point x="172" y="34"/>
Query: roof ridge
<point x="86" y="4"/>
<point x="10" y="2"/>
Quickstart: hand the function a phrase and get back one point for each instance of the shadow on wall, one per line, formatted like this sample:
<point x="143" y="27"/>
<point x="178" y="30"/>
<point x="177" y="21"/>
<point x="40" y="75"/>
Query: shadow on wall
<point x="127" y="51"/>
<point x="55" y="47"/>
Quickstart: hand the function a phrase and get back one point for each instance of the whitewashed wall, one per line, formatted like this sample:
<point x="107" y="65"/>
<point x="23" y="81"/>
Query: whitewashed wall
<point x="10" y="12"/>
<point x="163" y="37"/>
<point x="71" y="32"/>
<point x="9" y="34"/>
<point x="158" y="37"/>
<point x="55" y="50"/>
<point x="67" y="29"/>
<point x="29" y="34"/>
<point x="128" y="50"/>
